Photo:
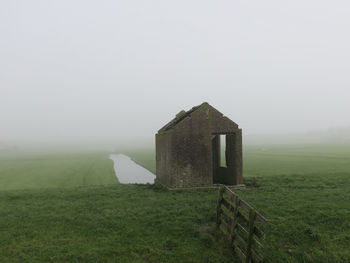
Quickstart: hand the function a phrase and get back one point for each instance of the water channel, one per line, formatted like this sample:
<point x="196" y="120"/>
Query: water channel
<point x="129" y="172"/>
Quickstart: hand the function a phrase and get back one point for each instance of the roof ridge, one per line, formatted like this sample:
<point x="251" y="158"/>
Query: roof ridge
<point x="181" y="117"/>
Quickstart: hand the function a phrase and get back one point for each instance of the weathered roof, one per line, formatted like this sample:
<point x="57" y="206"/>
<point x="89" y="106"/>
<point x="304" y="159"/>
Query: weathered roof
<point x="179" y="117"/>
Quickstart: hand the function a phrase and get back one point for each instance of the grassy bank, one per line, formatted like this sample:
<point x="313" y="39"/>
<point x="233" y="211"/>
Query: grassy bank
<point x="304" y="191"/>
<point x="55" y="170"/>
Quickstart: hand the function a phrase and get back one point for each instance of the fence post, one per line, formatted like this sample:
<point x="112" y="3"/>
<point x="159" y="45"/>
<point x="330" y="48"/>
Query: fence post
<point x="252" y="215"/>
<point x="218" y="208"/>
<point x="229" y="219"/>
<point x="235" y="219"/>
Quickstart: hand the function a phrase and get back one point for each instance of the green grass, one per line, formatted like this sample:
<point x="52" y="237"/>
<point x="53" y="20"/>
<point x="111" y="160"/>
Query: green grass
<point x="298" y="159"/>
<point x="304" y="192"/>
<point x="277" y="160"/>
<point x="55" y="170"/>
<point x="309" y="215"/>
<point x="117" y="223"/>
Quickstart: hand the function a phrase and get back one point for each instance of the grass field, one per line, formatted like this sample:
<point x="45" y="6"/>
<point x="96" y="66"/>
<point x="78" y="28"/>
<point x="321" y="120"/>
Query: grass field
<point x="55" y="170"/>
<point x="304" y="191"/>
<point x="117" y="223"/>
<point x="278" y="160"/>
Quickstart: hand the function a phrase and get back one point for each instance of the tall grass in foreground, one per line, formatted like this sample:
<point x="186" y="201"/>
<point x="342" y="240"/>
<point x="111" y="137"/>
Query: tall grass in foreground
<point x="120" y="223"/>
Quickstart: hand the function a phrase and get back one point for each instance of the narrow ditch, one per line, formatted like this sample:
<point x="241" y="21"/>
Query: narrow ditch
<point x="129" y="172"/>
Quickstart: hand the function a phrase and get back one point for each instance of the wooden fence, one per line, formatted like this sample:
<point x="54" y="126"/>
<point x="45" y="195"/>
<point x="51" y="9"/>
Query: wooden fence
<point x="242" y="225"/>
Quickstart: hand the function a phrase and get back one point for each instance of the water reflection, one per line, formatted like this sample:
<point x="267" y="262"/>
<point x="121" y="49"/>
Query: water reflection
<point x="129" y="172"/>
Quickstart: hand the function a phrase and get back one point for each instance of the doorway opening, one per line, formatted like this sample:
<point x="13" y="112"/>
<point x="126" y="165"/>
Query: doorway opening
<point x="223" y="152"/>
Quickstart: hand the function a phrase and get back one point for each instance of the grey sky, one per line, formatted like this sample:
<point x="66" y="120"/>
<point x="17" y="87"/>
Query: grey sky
<point x="119" y="69"/>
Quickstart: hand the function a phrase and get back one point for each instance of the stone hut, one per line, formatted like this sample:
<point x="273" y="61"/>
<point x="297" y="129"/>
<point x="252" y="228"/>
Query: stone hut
<point x="189" y="152"/>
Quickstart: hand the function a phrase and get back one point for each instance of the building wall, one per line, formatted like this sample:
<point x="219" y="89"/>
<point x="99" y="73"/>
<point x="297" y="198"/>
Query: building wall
<point x="164" y="158"/>
<point x="184" y="153"/>
<point x="193" y="153"/>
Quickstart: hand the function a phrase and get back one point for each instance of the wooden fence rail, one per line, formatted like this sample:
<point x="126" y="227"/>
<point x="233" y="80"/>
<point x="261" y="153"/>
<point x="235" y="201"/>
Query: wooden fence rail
<point x="242" y="225"/>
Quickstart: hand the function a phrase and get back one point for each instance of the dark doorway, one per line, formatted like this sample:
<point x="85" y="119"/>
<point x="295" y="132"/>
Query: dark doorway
<point x="223" y="152"/>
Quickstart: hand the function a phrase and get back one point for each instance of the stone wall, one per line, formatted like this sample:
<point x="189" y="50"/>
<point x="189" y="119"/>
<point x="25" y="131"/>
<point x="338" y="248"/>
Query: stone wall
<point x="184" y="153"/>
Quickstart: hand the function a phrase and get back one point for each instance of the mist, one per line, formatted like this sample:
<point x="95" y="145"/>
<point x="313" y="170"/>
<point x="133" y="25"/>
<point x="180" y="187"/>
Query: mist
<point x="117" y="71"/>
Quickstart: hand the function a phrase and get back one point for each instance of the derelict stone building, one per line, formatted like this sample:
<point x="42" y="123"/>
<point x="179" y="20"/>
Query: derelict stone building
<point x="188" y="149"/>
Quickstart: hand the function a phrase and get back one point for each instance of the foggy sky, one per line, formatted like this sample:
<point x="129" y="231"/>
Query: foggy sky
<point x="122" y="69"/>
